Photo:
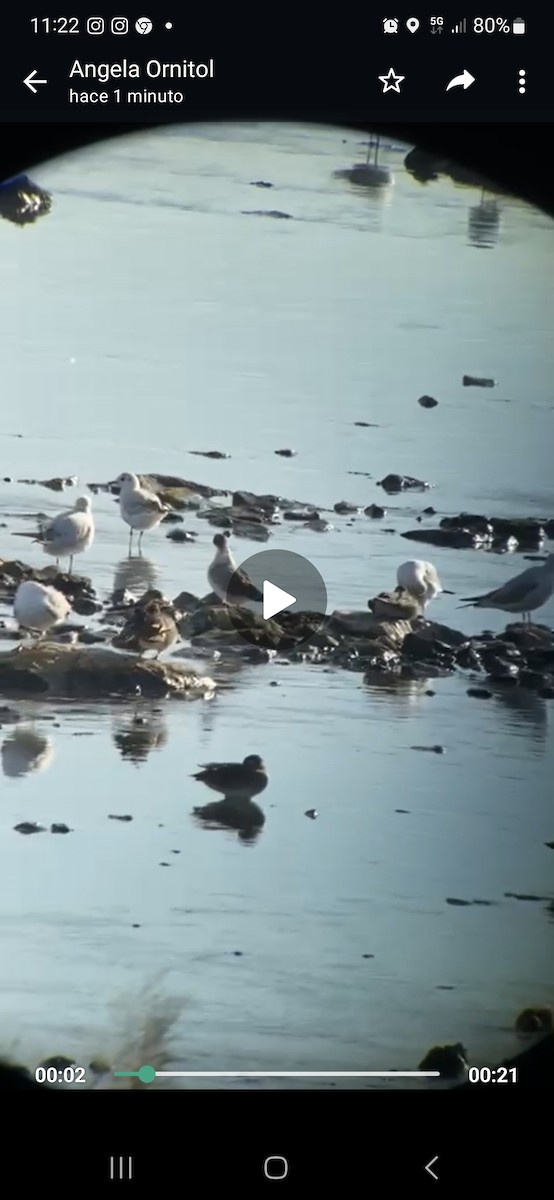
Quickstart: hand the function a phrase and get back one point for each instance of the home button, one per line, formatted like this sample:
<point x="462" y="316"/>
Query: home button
<point x="276" y="1167"/>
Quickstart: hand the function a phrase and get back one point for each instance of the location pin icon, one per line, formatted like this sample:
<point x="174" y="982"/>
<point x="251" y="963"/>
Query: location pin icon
<point x="412" y="24"/>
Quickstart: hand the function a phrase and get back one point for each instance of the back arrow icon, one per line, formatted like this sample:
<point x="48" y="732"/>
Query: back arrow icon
<point x="431" y="1164"/>
<point x="30" y="81"/>
<point x="464" y="81"/>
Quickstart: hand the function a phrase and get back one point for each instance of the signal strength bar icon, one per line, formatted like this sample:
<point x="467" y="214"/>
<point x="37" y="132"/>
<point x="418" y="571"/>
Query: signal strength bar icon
<point x="461" y="27"/>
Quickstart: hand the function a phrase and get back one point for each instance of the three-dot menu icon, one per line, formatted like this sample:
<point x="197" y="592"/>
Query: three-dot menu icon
<point x="521" y="82"/>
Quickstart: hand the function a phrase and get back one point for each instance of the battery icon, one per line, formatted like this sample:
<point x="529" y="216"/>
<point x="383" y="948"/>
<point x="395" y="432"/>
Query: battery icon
<point x="518" y="25"/>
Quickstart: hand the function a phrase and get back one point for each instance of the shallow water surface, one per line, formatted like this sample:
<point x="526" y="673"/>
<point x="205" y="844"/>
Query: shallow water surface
<point x="146" y="317"/>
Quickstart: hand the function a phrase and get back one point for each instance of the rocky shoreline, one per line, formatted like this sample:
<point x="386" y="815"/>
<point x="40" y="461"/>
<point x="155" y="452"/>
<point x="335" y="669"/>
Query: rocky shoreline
<point x="390" y="643"/>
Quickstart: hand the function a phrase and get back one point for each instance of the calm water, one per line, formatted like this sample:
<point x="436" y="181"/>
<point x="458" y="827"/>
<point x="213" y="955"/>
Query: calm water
<point x="147" y="316"/>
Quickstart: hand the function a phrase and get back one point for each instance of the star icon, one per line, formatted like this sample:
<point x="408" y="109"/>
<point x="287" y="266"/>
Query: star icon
<point x="391" y="82"/>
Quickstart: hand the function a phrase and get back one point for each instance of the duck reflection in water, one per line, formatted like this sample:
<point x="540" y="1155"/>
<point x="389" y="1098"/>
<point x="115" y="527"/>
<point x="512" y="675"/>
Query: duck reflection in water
<point x="135" y="574"/>
<point x="25" y="751"/>
<point x="137" y="735"/>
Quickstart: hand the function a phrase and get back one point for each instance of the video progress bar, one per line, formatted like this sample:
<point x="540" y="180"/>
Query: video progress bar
<point x="148" y="1074"/>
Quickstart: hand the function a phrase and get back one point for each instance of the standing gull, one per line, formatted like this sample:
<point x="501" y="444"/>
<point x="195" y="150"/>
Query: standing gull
<point x="140" y="508"/>
<point x="69" y="533"/>
<point x="420" y="579"/>
<point x="38" y="608"/>
<point x="223" y="569"/>
<point x="522" y="594"/>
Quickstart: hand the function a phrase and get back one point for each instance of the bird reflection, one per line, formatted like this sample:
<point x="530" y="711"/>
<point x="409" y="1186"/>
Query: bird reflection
<point x="524" y="710"/>
<point x="25" y="751"/>
<point x="243" y="815"/>
<point x="393" y="685"/>
<point x="135" y="574"/>
<point x="483" y="225"/>
<point x="140" y="733"/>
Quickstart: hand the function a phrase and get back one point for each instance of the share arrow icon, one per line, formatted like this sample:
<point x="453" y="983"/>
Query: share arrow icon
<point x="464" y="81"/>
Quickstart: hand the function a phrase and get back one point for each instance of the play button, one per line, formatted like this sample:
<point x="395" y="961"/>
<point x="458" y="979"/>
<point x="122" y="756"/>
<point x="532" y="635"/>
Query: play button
<point x="275" y="600"/>
<point x="294" y="600"/>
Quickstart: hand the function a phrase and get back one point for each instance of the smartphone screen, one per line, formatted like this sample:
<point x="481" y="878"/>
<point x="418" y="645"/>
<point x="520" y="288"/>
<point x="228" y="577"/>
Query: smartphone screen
<point x="276" y="594"/>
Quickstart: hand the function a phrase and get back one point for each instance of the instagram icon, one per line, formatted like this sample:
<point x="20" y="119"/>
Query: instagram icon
<point x="119" y="25"/>
<point x="95" y="24"/>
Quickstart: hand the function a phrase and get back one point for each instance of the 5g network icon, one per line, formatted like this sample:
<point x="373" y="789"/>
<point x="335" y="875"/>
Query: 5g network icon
<point x="95" y="24"/>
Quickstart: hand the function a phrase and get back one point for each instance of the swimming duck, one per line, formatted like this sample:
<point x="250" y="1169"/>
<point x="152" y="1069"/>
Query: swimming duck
<point x="235" y="780"/>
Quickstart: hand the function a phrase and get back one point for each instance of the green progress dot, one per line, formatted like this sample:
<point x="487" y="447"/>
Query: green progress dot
<point x="147" y="1074"/>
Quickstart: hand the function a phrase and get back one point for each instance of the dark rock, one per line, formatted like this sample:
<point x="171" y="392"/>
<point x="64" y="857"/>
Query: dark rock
<point x="366" y="425"/>
<point x="533" y="680"/>
<point x="85" y="607"/>
<point x="467" y="658"/>
<point x="500" y="668"/>
<point x="432" y="749"/>
<point x="119" y="817"/>
<point x="535" y="1020"/>
<point x="457" y="539"/>
<point x="368" y="956"/>
<point x="547" y="693"/>
<point x="527" y="531"/>
<point x="479" y="693"/>
<point x="433" y="631"/>
<point x="210" y="453"/>
<point x="286" y="453"/>
<point x="458" y="903"/>
<point x="13" y="572"/>
<point x="401" y="483"/>
<point x="402" y="810"/>
<point x="8" y="716"/>
<point x="249" y="500"/>
<point x="450" y="1061"/>
<point x="22" y="201"/>
<point x="342" y="507"/>
<point x="29" y="827"/>
<point x="525" y="896"/>
<point x="429" y="511"/>
<point x="472" y="521"/>
<point x="60" y="827"/>
<point x="312" y="813"/>
<point x="364" y="474"/>
<point x="261" y="183"/>
<point x="180" y="535"/>
<point x="269" y="212"/>
<point x="164" y="864"/>
<point x="477" y="381"/>
<point x="550" y="845"/>
<point x="427" y="402"/>
<point x="422" y="648"/>
<point x="504" y="545"/>
<point x="184" y="488"/>
<point x="299" y="514"/>
<point x="185" y="601"/>
<point x="375" y="511"/>
<point x="58" y="1061"/>
<point x="251" y="530"/>
<point x="172" y="518"/>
